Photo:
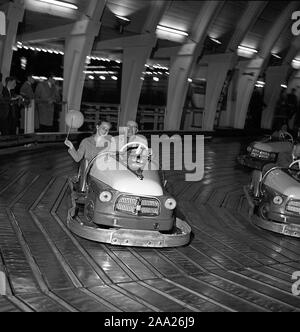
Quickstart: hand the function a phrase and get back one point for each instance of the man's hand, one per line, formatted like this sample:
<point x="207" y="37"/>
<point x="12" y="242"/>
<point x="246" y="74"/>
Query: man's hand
<point x="69" y="144"/>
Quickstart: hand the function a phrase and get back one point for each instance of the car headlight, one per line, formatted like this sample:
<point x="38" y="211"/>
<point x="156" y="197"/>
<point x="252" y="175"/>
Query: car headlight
<point x="170" y="204"/>
<point x="277" y="200"/>
<point x="105" y="196"/>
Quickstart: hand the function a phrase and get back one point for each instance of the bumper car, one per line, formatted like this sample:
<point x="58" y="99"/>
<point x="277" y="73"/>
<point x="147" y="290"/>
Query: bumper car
<point x="274" y="199"/>
<point x="121" y="201"/>
<point x="266" y="151"/>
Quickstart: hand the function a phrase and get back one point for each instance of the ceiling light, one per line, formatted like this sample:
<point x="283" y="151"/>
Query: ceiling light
<point x="60" y="4"/>
<point x="276" y="56"/>
<point x="122" y="18"/>
<point x="296" y="61"/>
<point x="247" y="49"/>
<point x="215" y="40"/>
<point x="156" y="79"/>
<point x="103" y="78"/>
<point x="284" y="86"/>
<point x="91" y="77"/>
<point x="261" y="82"/>
<point x="115" y="78"/>
<point x="172" y="30"/>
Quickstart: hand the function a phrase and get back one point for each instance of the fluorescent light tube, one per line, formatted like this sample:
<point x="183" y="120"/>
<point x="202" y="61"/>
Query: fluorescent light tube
<point x="60" y="4"/>
<point x="171" y="30"/>
<point x="247" y="49"/>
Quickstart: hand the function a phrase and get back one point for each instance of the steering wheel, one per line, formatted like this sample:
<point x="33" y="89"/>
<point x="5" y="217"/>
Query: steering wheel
<point x="138" y="145"/>
<point x="286" y="136"/>
<point x="265" y="176"/>
<point x="295" y="163"/>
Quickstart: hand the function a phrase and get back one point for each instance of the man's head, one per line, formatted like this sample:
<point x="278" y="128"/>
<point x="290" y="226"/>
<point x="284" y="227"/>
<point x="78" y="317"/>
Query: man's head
<point x="10" y="83"/>
<point x="132" y="128"/>
<point x="30" y="79"/>
<point x="51" y="79"/>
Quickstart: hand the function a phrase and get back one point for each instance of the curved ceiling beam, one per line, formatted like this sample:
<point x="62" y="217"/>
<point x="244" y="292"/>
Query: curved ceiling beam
<point x="293" y="50"/>
<point x="247" y="20"/>
<point x="246" y="82"/>
<point x="14" y="15"/>
<point x="135" y="57"/>
<point x="182" y="64"/>
<point x="156" y="12"/>
<point x="78" y="46"/>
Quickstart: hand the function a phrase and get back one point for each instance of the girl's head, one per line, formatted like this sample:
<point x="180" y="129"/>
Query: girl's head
<point x="103" y="128"/>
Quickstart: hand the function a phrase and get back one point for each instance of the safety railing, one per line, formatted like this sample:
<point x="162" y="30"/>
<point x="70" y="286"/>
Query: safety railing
<point x="149" y="117"/>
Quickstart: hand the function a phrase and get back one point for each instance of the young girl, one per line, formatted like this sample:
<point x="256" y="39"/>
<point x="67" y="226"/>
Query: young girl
<point x="90" y="147"/>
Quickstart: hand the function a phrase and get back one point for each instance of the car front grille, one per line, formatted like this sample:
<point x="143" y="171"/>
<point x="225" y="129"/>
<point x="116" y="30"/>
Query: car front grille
<point x="260" y="154"/>
<point x="293" y="207"/>
<point x="141" y="206"/>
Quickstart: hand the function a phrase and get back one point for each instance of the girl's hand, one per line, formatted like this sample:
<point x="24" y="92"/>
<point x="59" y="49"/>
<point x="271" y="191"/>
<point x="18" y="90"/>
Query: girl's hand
<point x="69" y="144"/>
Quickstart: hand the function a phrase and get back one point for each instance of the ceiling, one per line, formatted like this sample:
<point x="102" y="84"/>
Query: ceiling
<point x="179" y="14"/>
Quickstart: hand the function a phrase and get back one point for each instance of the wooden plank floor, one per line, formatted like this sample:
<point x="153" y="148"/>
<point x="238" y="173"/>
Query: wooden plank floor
<point x="230" y="265"/>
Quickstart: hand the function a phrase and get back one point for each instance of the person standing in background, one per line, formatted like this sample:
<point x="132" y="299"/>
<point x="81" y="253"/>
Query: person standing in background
<point x="1" y="84"/>
<point x="27" y="112"/>
<point x="46" y="95"/>
<point x="292" y="105"/>
<point x="13" y="101"/>
<point x="4" y="111"/>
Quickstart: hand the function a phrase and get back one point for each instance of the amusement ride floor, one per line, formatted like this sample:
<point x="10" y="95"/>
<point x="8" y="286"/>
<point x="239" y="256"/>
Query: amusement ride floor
<point x="230" y="265"/>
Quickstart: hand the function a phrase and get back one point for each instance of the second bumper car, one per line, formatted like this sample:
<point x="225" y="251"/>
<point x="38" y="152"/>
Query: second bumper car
<point x="274" y="199"/>
<point x="266" y="151"/>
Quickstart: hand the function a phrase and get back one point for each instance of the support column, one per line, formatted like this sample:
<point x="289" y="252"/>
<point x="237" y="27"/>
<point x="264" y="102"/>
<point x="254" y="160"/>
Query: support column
<point x="218" y="66"/>
<point x="295" y="83"/>
<point x="249" y="76"/>
<point x="78" y="46"/>
<point x="246" y="21"/>
<point x="275" y="76"/>
<point x="182" y="65"/>
<point x="14" y="16"/>
<point x="134" y="59"/>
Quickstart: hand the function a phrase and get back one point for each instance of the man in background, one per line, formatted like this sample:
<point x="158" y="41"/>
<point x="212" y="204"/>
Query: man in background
<point x="46" y="95"/>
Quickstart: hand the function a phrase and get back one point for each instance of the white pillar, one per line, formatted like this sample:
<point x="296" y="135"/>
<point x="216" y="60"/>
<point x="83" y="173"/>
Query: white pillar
<point x="182" y="64"/>
<point x="14" y="15"/>
<point x="252" y="70"/>
<point x="134" y="60"/>
<point x="275" y="76"/>
<point x="218" y="66"/>
<point x="78" y="46"/>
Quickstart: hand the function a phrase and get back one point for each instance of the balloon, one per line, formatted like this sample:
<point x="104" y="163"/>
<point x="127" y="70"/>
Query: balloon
<point x="74" y="119"/>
